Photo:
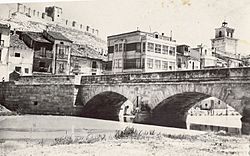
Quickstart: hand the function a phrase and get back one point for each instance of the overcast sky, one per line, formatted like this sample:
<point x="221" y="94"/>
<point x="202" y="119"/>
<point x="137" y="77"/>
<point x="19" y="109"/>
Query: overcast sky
<point x="192" y="21"/>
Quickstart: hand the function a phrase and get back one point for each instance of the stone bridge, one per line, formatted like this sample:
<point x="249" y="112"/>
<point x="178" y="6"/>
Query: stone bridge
<point x="169" y="94"/>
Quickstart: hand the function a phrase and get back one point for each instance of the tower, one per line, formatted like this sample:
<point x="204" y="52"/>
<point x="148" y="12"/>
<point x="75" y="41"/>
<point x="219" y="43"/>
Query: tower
<point x="224" y="42"/>
<point x="54" y="12"/>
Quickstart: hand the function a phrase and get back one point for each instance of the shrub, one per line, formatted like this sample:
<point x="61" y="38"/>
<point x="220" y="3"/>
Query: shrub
<point x="128" y="132"/>
<point x="66" y="140"/>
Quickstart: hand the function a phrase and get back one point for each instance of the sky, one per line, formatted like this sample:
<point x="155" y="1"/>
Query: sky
<point x="192" y="22"/>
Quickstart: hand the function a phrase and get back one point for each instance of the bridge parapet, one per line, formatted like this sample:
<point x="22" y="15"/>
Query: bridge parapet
<point x="46" y="79"/>
<point x="218" y="74"/>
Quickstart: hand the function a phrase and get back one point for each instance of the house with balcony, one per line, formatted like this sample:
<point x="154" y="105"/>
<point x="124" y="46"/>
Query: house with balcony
<point x="51" y="51"/>
<point x="61" y="52"/>
<point x="4" y="46"/>
<point x="43" y="54"/>
<point x="140" y="51"/>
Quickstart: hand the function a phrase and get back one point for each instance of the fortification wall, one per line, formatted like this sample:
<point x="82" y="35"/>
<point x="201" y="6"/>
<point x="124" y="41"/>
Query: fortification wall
<point x="37" y="15"/>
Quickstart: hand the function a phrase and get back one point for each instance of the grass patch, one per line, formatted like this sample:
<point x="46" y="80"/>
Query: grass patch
<point x="66" y="140"/>
<point x="181" y="137"/>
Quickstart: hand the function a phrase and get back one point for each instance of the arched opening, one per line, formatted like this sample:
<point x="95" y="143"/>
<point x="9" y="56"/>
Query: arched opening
<point x="106" y="105"/>
<point x="212" y="114"/>
<point x="220" y="34"/>
<point x="173" y="112"/>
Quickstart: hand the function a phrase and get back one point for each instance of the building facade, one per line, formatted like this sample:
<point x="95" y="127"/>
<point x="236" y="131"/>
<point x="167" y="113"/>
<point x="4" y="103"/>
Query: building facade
<point x="43" y="51"/>
<point x="20" y="57"/>
<point x="187" y="58"/>
<point x="86" y="61"/>
<point x="140" y="51"/>
<point x="4" y="53"/>
<point x="61" y="52"/>
<point x="225" y="46"/>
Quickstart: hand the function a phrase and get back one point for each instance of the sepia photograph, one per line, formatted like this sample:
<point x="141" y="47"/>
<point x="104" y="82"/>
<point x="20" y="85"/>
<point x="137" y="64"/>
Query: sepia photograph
<point x="124" y="78"/>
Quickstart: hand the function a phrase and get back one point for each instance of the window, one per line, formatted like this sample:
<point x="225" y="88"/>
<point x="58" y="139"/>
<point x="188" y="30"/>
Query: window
<point x="43" y="52"/>
<point x="41" y="64"/>
<point x="18" y="69"/>
<point x="157" y="48"/>
<point x="158" y="64"/>
<point x="179" y="62"/>
<point x="26" y="70"/>
<point x="61" y="52"/>
<point x="61" y="67"/>
<point x="110" y="49"/>
<point x="94" y="64"/>
<point x="164" y="49"/>
<point x="138" y="47"/>
<point x="143" y="63"/>
<point x="119" y="63"/>
<point x="0" y="54"/>
<point x="143" y="46"/>
<point x="172" y="51"/>
<point x="171" y="65"/>
<point x="116" y="47"/>
<point x="120" y="47"/>
<point x="151" y="47"/>
<point x="131" y="47"/>
<point x="138" y="63"/>
<point x="17" y="54"/>
<point x="165" y="65"/>
<point x="150" y="63"/>
<point x="220" y="34"/>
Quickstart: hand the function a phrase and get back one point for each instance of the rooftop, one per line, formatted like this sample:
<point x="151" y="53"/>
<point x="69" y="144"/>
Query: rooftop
<point x="37" y="36"/>
<point x="58" y="36"/>
<point x="85" y="51"/>
<point x="138" y="32"/>
<point x="16" y="42"/>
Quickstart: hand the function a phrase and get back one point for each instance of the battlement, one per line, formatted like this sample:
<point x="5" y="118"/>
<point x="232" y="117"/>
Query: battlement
<point x="52" y="15"/>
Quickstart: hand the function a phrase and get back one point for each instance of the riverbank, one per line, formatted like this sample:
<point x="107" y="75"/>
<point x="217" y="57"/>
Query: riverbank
<point x="45" y="135"/>
<point x="144" y="144"/>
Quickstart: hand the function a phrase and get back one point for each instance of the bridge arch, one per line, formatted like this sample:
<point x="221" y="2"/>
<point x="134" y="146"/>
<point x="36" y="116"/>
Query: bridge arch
<point x="105" y="105"/>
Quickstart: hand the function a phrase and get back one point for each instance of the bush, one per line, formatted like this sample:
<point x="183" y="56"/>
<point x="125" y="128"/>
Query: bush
<point x="180" y="136"/>
<point x="63" y="140"/>
<point x="128" y="132"/>
<point x="66" y="140"/>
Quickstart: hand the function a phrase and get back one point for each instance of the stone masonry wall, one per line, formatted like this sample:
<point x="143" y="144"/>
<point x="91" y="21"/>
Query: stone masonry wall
<point x="38" y="95"/>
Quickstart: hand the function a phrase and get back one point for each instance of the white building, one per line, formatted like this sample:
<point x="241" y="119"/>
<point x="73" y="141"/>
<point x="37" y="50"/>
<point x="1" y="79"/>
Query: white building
<point x="140" y="51"/>
<point x="4" y="51"/>
<point x="20" y="57"/>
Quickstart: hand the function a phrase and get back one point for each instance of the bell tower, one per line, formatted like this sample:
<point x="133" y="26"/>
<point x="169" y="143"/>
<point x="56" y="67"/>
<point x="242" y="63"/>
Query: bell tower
<point x="224" y="41"/>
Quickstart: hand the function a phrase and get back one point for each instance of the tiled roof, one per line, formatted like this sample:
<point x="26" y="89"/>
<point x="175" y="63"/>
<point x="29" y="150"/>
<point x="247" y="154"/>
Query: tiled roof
<point x="16" y="42"/>
<point x="58" y="36"/>
<point x="37" y="36"/>
<point x="85" y="51"/>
